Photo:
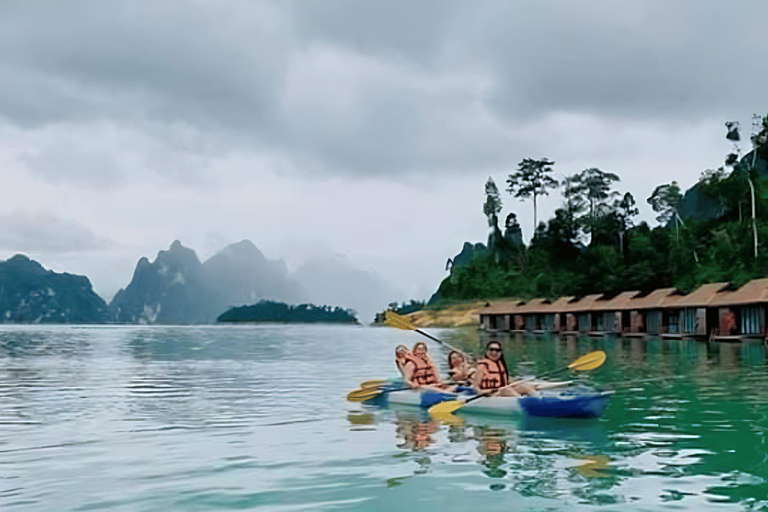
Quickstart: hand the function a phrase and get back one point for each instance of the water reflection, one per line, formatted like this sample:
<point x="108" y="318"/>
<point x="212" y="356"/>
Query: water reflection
<point x="415" y="431"/>
<point x="237" y="418"/>
<point x="493" y="446"/>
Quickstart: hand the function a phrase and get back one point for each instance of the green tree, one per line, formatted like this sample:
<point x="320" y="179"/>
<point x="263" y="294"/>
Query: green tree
<point x="492" y="205"/>
<point x="626" y="208"/>
<point x="594" y="186"/>
<point x="573" y="193"/>
<point x="532" y="179"/>
<point x="665" y="200"/>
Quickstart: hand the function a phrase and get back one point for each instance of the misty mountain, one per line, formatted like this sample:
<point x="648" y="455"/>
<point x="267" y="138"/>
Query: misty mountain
<point x="336" y="280"/>
<point x="241" y="274"/>
<point x="31" y="294"/>
<point x="178" y="288"/>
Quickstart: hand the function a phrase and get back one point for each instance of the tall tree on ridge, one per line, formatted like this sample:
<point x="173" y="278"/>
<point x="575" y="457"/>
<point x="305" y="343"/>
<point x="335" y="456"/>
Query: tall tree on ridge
<point x="532" y="178"/>
<point x="492" y="205"/>
<point x="595" y="185"/>
<point x="491" y="208"/>
<point x="665" y="200"/>
<point x="626" y="209"/>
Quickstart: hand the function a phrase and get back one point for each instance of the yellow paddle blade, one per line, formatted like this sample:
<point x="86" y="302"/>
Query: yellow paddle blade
<point x="374" y="383"/>
<point x="363" y="394"/>
<point x="444" y="408"/>
<point x="450" y="420"/>
<point x="399" y="322"/>
<point x="588" y="362"/>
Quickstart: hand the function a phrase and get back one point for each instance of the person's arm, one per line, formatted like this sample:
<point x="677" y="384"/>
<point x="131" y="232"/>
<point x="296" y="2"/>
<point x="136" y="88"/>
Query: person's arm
<point x="408" y="374"/>
<point x="478" y="377"/>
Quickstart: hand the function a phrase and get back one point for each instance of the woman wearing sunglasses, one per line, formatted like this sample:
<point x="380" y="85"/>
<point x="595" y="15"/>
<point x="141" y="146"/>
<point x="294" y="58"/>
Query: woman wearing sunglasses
<point x="492" y="374"/>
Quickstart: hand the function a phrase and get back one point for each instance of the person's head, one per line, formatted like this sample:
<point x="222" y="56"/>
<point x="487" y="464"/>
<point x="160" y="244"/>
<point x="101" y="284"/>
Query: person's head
<point x="455" y="359"/>
<point x="493" y="351"/>
<point x="420" y="349"/>
<point x="401" y="351"/>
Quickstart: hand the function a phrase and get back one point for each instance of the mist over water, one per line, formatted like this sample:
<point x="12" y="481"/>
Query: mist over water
<point x="220" y="418"/>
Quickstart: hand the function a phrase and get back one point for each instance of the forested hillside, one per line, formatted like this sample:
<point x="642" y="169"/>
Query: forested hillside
<point x="717" y="231"/>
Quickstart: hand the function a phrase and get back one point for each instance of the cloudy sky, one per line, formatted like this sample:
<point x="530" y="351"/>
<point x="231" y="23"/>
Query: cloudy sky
<point x="365" y="129"/>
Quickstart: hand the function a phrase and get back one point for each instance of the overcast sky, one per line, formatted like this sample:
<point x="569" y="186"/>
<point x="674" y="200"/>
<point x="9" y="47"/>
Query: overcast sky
<point x="360" y="128"/>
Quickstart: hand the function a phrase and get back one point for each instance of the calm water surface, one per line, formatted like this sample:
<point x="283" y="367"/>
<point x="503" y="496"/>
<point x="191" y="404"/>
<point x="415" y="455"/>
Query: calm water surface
<point x="237" y="418"/>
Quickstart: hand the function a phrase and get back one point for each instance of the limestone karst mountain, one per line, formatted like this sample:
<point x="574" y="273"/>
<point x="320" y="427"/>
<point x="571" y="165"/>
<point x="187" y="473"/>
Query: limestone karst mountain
<point x="31" y="294"/>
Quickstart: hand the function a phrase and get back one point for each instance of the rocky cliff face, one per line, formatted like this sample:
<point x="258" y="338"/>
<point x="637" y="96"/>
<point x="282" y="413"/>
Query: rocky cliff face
<point x="697" y="205"/>
<point x="171" y="289"/>
<point x="31" y="294"/>
<point x="178" y="288"/>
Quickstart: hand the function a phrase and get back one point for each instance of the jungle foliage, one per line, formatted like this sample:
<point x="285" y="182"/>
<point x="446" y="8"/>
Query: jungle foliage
<point x="592" y="244"/>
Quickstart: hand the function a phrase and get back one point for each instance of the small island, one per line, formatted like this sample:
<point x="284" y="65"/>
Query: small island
<point x="271" y="311"/>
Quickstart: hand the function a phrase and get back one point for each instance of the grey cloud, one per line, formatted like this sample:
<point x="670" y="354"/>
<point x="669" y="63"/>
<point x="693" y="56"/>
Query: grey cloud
<point x="26" y="231"/>
<point x="366" y="88"/>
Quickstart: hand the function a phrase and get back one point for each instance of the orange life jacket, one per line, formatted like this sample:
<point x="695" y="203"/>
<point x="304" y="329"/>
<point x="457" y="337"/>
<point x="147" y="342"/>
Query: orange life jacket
<point x="494" y="376"/>
<point x="424" y="373"/>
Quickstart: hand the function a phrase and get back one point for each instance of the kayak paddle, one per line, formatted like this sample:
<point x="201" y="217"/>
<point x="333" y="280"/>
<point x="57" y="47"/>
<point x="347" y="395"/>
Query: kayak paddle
<point x="584" y="363"/>
<point x="374" y="383"/>
<point x="400" y="322"/>
<point x="363" y="394"/>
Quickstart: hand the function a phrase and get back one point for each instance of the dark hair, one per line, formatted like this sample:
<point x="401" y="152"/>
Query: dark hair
<point x="501" y="359"/>
<point x="450" y="356"/>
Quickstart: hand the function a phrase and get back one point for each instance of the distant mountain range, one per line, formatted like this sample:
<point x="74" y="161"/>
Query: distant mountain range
<point x="31" y="294"/>
<point x="177" y="288"/>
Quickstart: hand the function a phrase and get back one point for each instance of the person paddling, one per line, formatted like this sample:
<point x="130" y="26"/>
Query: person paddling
<point x="492" y="374"/>
<point x="460" y="370"/>
<point x="419" y="370"/>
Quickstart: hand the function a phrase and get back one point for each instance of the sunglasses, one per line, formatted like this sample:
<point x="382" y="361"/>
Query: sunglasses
<point x="494" y="350"/>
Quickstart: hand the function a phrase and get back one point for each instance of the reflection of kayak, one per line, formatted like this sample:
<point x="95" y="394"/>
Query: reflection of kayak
<point x="568" y="403"/>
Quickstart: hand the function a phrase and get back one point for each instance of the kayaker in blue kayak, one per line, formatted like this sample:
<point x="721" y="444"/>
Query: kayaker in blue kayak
<point x="401" y="357"/>
<point x="460" y="370"/>
<point x="492" y="374"/>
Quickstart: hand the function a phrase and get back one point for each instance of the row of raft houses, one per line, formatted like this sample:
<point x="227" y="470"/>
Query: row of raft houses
<point x="717" y="311"/>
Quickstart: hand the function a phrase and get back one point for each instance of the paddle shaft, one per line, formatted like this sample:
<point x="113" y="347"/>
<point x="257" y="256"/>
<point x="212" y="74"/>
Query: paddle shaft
<point x="553" y="372"/>
<point x="423" y="333"/>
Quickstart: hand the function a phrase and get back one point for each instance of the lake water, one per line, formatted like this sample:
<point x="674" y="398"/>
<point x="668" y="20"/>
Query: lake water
<point x="238" y="418"/>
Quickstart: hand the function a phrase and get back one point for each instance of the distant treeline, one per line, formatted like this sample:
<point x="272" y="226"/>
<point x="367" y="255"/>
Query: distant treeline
<point x="270" y="311"/>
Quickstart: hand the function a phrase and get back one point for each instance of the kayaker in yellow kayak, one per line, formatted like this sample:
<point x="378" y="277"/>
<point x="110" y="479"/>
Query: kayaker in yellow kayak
<point x="492" y="374"/>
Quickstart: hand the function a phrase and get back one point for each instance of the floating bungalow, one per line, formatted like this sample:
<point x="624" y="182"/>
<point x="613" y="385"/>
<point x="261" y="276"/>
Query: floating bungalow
<point x="650" y="313"/>
<point x="578" y="313"/>
<point x="611" y="315"/>
<point x="719" y="311"/>
<point x="691" y="316"/>
<point x="741" y="313"/>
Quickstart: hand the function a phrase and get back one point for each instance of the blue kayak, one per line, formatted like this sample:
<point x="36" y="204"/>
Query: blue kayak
<point x="572" y="403"/>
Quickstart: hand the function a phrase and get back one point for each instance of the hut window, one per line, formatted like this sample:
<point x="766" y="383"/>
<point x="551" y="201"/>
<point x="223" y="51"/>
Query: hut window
<point x="689" y="320"/>
<point x="654" y="321"/>
<point x="530" y="322"/>
<point x="674" y="320"/>
<point x="584" y="322"/>
<point x="751" y="320"/>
